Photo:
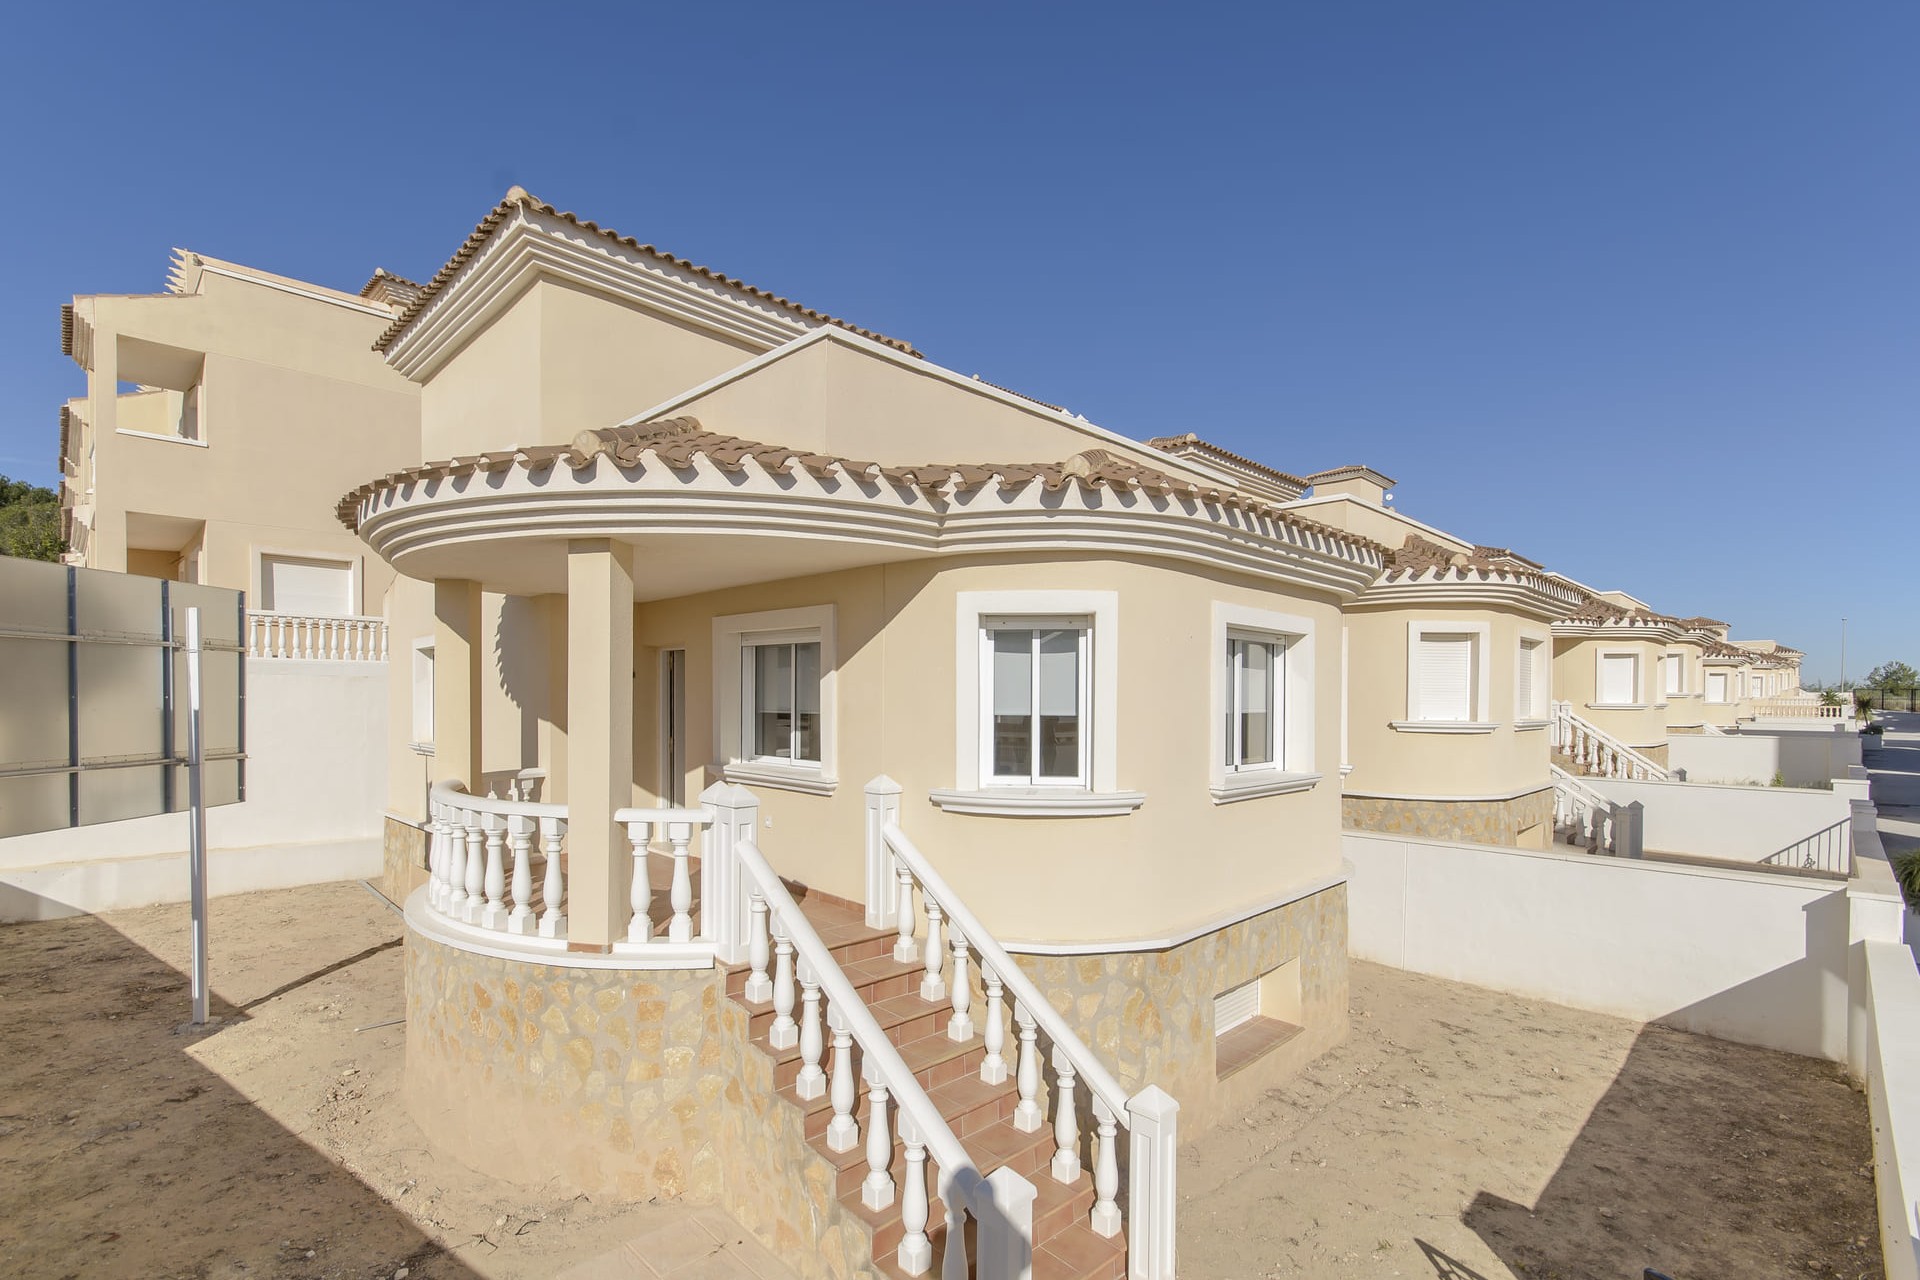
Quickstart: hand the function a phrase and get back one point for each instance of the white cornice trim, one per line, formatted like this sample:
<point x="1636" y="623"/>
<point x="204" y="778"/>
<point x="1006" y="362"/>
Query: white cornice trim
<point x="1444" y="726"/>
<point x="315" y="294"/>
<point x="926" y="368"/>
<point x="810" y="782"/>
<point x="1253" y="786"/>
<point x="1038" y="802"/>
<point x="1517" y="597"/>
<point x="1546" y="784"/>
<point x="1564" y="629"/>
<point x="532" y="247"/>
<point x="428" y="923"/>
<point x="1225" y="920"/>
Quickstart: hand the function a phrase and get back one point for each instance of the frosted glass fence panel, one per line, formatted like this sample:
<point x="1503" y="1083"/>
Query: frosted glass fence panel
<point x="93" y="693"/>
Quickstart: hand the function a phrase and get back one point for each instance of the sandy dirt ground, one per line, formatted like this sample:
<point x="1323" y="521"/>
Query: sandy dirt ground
<point x="276" y="1146"/>
<point x="1460" y="1133"/>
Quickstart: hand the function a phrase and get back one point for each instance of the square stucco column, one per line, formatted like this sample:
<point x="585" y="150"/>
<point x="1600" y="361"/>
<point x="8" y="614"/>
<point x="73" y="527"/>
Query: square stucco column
<point x="599" y="739"/>
<point x="456" y="682"/>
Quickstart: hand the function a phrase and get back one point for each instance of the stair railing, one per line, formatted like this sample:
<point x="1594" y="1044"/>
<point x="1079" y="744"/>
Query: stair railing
<point x="1148" y="1116"/>
<point x="1581" y="811"/>
<point x="1599" y="752"/>
<point x="1828" y="849"/>
<point x="784" y="952"/>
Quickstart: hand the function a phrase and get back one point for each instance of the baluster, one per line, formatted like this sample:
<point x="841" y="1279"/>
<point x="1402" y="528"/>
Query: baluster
<point x="931" y="986"/>
<point x="553" y="891"/>
<point x="812" y="1081"/>
<point x="680" y="929"/>
<point x="843" y="1131"/>
<point x="494" y="914"/>
<point x="953" y="1196"/>
<point x="759" y="985"/>
<point x="876" y="1192"/>
<point x="904" y="949"/>
<point x="993" y="1067"/>
<point x="520" y="839"/>
<point x="960" y="1025"/>
<point x="1106" y="1173"/>
<point x="1027" y="1115"/>
<point x="1066" y="1121"/>
<point x="916" y="1251"/>
<point x="784" y="1033"/>
<point x="436" y="855"/>
<point x="640" y="892"/>
<point x="299" y="636"/>
<point x="457" y="866"/>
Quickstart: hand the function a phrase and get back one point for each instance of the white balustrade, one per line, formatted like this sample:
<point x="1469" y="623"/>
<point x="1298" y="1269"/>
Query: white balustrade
<point x="347" y="638"/>
<point x="1580" y="814"/>
<point x="1598" y="752"/>
<point x="480" y="854"/>
<point x="1149" y="1116"/>
<point x="675" y="827"/>
<point x="1003" y="1237"/>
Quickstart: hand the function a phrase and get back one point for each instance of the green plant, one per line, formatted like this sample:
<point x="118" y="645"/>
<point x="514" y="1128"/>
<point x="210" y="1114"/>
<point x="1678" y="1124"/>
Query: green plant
<point x="1906" y="869"/>
<point x="29" y="521"/>
<point x="1863" y="702"/>
<point x="1875" y="728"/>
<point x="1830" y="699"/>
<point x="1779" y="779"/>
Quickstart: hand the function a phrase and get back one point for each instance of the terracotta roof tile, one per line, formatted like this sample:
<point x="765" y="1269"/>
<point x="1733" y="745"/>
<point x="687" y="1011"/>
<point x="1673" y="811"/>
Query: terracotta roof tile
<point x="677" y="442"/>
<point x="518" y="197"/>
<point x="1206" y="448"/>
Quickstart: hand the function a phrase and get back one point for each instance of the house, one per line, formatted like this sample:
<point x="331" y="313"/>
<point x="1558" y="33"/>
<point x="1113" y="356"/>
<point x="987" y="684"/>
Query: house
<point x="1447" y="659"/>
<point x="991" y="714"/>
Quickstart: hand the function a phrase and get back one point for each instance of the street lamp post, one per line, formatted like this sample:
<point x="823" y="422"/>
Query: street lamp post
<point x="1843" y="653"/>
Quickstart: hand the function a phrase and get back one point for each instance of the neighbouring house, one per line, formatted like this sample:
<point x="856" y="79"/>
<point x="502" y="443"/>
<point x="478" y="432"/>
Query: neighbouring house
<point x="1609" y="666"/>
<point x="221" y="420"/>
<point x="990" y="714"/>
<point x="1448" y="677"/>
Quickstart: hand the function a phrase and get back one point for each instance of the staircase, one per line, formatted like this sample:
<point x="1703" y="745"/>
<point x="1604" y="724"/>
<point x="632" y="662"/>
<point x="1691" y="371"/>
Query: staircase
<point x="979" y="1113"/>
<point x="1584" y="749"/>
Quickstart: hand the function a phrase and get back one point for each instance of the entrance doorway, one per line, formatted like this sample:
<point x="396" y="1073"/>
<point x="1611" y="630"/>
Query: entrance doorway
<point x="673" y="728"/>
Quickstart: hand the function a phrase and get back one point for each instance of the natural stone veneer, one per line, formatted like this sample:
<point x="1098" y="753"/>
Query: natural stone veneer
<point x="622" y="1083"/>
<point x="403" y="850"/>
<point x="1149" y="1014"/>
<point x="1524" y="821"/>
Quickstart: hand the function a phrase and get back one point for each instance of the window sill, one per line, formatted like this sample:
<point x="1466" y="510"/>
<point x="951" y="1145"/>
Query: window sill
<point x="1252" y="786"/>
<point x="812" y="782"/>
<point x="1619" y="706"/>
<point x="154" y="435"/>
<point x="1444" y="726"/>
<point x="1039" y="802"/>
<point x="1521" y="726"/>
<point x="420" y="748"/>
<point x="1671" y="695"/>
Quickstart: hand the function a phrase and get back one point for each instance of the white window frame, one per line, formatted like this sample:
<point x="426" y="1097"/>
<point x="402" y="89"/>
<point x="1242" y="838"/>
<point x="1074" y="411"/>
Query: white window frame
<point x="1234" y="745"/>
<point x="1482" y="634"/>
<point x="732" y="635"/>
<point x="258" y="576"/>
<point x="1294" y="770"/>
<point x="1726" y="689"/>
<point x="791" y="640"/>
<point x="1031" y="625"/>
<point x="1639" y="695"/>
<point x="1678" y="657"/>
<point x="1535" y="716"/>
<point x="422" y="675"/>
<point x="971" y="792"/>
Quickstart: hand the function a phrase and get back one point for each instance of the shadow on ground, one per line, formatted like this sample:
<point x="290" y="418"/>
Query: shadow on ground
<point x="1704" y="1165"/>
<point x="122" y="1153"/>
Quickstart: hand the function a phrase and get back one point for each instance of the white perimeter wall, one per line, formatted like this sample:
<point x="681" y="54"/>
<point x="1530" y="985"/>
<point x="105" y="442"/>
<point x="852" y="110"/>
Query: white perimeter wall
<point x="1742" y="955"/>
<point x="316" y="778"/>
<point x="1741" y="824"/>
<point x="1800" y="757"/>
<point x="1893" y="1099"/>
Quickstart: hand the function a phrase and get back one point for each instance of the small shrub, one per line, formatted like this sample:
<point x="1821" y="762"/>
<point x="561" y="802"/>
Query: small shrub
<point x="1875" y="729"/>
<point x="1830" y="699"/>
<point x="1906" y="869"/>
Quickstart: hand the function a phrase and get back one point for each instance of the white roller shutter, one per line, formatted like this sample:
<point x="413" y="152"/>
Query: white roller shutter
<point x="322" y="588"/>
<point x="1524" y="706"/>
<point x="1236" y="1007"/>
<point x="1616" y="679"/>
<point x="1716" y="686"/>
<point x="1443" y="667"/>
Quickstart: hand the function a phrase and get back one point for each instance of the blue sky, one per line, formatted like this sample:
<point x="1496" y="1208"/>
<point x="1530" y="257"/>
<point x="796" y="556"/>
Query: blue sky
<point x="1628" y="287"/>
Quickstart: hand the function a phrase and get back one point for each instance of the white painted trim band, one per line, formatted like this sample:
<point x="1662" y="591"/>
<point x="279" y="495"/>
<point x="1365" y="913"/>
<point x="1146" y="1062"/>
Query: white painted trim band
<point x="1038" y="802"/>
<point x="1401" y="795"/>
<point x="1444" y="726"/>
<point x="1263" y="784"/>
<point x="553" y="951"/>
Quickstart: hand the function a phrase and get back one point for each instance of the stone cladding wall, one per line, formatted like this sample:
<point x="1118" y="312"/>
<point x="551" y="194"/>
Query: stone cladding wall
<point x="403" y="851"/>
<point x="1500" y="822"/>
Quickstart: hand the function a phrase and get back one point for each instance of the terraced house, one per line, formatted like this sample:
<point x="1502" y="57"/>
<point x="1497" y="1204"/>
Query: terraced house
<point x="972" y="894"/>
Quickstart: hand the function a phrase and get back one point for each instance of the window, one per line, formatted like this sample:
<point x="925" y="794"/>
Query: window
<point x="1256" y="676"/>
<point x="1676" y="673"/>
<point x="1617" y="678"/>
<point x="306" y="585"/>
<point x="1530" y="681"/>
<point x="780" y="698"/>
<point x="422" y="692"/>
<point x="1716" y="686"/>
<point x="773" y="699"/>
<point x="1443" y="662"/>
<point x="1036" y="677"/>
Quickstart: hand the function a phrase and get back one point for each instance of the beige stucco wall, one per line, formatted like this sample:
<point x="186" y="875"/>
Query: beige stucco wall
<point x="295" y="409"/>
<point x="1574" y="675"/>
<point x="1078" y="878"/>
<point x="1392" y="763"/>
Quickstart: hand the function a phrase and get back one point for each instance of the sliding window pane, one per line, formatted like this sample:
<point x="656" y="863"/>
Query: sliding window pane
<point x="1060" y="729"/>
<point x="1012" y="704"/>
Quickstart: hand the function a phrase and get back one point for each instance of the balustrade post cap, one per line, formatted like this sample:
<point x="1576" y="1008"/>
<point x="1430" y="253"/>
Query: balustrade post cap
<point x="728" y="795"/>
<point x="1153" y="1103"/>
<point x="1008" y="1189"/>
<point x="882" y="785"/>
